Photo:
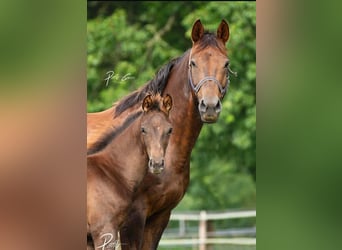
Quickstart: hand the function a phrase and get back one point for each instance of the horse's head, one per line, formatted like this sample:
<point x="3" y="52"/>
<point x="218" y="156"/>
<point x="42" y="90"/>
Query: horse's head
<point x="156" y="129"/>
<point x="209" y="69"/>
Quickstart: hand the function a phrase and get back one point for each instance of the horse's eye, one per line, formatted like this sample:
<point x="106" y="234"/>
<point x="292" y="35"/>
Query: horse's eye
<point x="169" y="131"/>
<point x="226" y="65"/>
<point x="143" y="130"/>
<point x="192" y="63"/>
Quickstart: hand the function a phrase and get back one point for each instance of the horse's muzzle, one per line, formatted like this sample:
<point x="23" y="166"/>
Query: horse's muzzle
<point x="156" y="166"/>
<point x="209" y="109"/>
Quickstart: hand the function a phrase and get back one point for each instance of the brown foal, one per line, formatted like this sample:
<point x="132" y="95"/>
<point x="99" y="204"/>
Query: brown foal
<point x="118" y="163"/>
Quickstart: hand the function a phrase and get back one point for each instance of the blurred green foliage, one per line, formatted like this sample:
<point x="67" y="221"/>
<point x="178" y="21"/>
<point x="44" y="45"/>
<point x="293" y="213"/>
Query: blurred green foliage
<point x="135" y="39"/>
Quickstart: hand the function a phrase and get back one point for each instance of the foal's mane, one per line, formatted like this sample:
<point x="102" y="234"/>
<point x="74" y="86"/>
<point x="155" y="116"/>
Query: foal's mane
<point x="154" y="86"/>
<point x="110" y="135"/>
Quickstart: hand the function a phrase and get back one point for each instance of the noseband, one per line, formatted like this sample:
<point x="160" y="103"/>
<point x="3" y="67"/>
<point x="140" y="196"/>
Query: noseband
<point x="198" y="86"/>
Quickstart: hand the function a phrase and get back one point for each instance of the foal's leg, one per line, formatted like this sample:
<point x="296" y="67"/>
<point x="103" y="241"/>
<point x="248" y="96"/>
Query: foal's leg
<point x="90" y="246"/>
<point x="154" y="228"/>
<point x="90" y="243"/>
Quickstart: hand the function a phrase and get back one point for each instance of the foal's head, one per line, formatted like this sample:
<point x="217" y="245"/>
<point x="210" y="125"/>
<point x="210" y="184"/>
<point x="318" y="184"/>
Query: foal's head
<point x="156" y="129"/>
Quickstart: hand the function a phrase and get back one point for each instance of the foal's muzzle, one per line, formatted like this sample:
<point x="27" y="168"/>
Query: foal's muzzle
<point x="156" y="166"/>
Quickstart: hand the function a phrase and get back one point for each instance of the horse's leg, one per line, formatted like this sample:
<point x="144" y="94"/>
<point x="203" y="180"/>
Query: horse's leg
<point x="131" y="232"/>
<point x="154" y="228"/>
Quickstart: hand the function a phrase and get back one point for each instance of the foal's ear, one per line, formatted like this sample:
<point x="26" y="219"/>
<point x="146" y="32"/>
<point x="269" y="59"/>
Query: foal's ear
<point x="147" y="103"/>
<point x="223" y="31"/>
<point x="167" y="102"/>
<point x="197" y="31"/>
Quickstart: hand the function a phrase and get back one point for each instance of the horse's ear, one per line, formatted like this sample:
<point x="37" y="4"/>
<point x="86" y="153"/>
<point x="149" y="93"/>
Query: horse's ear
<point x="223" y="31"/>
<point x="167" y="102"/>
<point x="147" y="103"/>
<point x="197" y="31"/>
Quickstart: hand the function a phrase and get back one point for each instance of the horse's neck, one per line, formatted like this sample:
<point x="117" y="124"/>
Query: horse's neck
<point x="125" y="157"/>
<point x="184" y="114"/>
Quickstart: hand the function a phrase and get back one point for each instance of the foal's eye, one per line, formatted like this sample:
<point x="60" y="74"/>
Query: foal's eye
<point x="169" y="131"/>
<point x="226" y="65"/>
<point x="143" y="130"/>
<point x="192" y="63"/>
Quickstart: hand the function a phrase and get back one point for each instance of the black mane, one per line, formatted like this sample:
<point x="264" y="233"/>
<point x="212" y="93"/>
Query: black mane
<point x="154" y="86"/>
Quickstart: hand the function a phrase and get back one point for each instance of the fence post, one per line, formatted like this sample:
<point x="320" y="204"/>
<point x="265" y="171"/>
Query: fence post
<point x="202" y="230"/>
<point x="182" y="227"/>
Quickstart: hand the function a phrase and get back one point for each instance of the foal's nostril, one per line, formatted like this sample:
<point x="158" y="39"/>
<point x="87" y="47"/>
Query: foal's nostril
<point x="156" y="166"/>
<point x="159" y="164"/>
<point x="202" y="106"/>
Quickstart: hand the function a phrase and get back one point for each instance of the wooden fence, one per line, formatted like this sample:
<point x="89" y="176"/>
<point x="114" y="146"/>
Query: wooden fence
<point x="203" y="238"/>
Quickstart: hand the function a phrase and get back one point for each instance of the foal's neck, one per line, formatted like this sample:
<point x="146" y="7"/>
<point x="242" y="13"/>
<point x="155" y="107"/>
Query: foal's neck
<point x="126" y="157"/>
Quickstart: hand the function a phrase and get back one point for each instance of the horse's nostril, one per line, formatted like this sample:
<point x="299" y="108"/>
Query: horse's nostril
<point x="218" y="107"/>
<point x="202" y="106"/>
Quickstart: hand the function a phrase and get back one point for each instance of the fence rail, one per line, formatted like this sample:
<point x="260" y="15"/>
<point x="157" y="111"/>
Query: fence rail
<point x="213" y="215"/>
<point x="204" y="237"/>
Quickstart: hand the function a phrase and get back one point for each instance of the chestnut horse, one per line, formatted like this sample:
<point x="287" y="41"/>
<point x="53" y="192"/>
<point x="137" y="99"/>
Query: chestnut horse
<point x="198" y="81"/>
<point x="118" y="163"/>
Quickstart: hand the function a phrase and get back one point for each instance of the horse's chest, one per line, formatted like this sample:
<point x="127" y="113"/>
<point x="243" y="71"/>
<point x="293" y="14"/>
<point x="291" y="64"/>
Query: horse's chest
<point x="171" y="193"/>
